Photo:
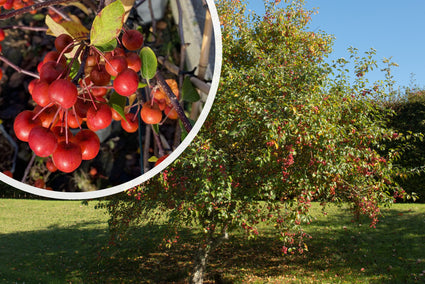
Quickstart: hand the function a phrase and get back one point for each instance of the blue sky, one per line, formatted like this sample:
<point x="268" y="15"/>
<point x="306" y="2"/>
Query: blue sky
<point x="394" y="28"/>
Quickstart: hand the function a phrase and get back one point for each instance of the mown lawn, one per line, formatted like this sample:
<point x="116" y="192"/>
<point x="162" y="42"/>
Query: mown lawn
<point x="67" y="242"/>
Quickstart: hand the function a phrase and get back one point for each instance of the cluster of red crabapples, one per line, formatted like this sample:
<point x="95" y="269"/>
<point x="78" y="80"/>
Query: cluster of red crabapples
<point x="62" y="104"/>
<point x="16" y="4"/>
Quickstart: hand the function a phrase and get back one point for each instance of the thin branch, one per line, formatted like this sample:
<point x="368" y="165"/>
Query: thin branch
<point x="158" y="143"/>
<point x="174" y="101"/>
<point x="17" y="68"/>
<point x="182" y="43"/>
<point x="148" y="130"/>
<point x="34" y="7"/>
<point x="60" y="13"/>
<point x="35" y="29"/>
<point x="101" y="6"/>
<point x="152" y="18"/>
<point x="27" y="170"/>
<point x="201" y="85"/>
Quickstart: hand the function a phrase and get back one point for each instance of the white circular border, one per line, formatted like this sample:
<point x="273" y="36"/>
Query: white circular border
<point x="163" y="164"/>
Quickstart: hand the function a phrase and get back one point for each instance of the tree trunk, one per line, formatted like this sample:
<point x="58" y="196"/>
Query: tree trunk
<point x="200" y="263"/>
<point x="201" y="257"/>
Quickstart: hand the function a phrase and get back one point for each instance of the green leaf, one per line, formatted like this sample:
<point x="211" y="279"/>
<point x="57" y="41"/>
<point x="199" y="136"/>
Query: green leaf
<point x="189" y="92"/>
<point x="109" y="46"/>
<point x="107" y="25"/>
<point x="155" y="128"/>
<point x="141" y="85"/>
<point x="153" y="159"/>
<point x="184" y="132"/>
<point x="74" y="68"/>
<point x="118" y="102"/>
<point x="149" y="63"/>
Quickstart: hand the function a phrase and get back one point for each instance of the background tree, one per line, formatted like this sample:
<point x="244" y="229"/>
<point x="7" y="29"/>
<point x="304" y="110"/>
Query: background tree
<point x="286" y="129"/>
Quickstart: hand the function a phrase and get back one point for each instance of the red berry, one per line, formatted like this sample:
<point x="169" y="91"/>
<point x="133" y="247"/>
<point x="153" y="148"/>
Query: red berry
<point x="8" y="173"/>
<point x="161" y="159"/>
<point x="98" y="91"/>
<point x="40" y="183"/>
<point x="50" y="165"/>
<point x="133" y="61"/>
<point x="130" y="123"/>
<point x="61" y="133"/>
<point x="132" y="39"/>
<point x="47" y="115"/>
<point x="99" y="118"/>
<point x="40" y="93"/>
<point x="126" y="83"/>
<point x="151" y="114"/>
<point x="67" y="157"/>
<point x="63" y="92"/>
<point x="53" y="56"/>
<point x="92" y="60"/>
<point x="81" y="107"/>
<point x="171" y="112"/>
<point x="2" y="35"/>
<point x="42" y="141"/>
<point x="31" y="85"/>
<point x="116" y="65"/>
<point x="24" y="123"/>
<point x="115" y="115"/>
<point x="50" y="71"/>
<point x="62" y="41"/>
<point x="99" y="76"/>
<point x="89" y="143"/>
<point x="8" y="5"/>
<point x="74" y="121"/>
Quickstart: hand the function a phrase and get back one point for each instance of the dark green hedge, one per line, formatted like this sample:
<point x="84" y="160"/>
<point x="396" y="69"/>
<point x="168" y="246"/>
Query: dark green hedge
<point x="409" y="119"/>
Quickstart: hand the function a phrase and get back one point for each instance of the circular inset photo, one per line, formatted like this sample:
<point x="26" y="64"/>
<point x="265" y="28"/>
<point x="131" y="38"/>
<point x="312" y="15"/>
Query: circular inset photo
<point x="95" y="100"/>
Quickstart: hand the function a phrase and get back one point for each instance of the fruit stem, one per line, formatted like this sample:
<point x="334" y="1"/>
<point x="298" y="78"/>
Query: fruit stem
<point x="54" y="117"/>
<point x="66" y="126"/>
<point x="76" y="117"/>
<point x="174" y="101"/>
<point x="41" y="110"/>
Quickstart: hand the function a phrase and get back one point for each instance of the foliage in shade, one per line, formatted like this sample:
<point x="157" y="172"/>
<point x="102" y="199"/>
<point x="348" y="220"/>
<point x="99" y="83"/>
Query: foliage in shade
<point x="286" y="129"/>
<point x="409" y="119"/>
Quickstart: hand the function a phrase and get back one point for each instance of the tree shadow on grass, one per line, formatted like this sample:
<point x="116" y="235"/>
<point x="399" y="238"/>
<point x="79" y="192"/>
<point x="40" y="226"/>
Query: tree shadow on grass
<point x="340" y="251"/>
<point x="54" y="255"/>
<point x="393" y="252"/>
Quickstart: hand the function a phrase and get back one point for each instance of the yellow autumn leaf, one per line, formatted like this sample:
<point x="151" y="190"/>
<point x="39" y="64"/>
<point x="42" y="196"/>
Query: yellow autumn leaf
<point x="79" y="5"/>
<point x="73" y="28"/>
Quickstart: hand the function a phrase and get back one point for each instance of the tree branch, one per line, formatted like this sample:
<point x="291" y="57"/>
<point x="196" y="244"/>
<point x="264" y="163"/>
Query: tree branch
<point x="174" y="101"/>
<point x="17" y="68"/>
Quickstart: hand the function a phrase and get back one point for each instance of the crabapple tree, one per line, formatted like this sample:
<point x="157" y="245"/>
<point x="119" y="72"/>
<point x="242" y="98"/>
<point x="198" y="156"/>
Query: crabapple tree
<point x="286" y="129"/>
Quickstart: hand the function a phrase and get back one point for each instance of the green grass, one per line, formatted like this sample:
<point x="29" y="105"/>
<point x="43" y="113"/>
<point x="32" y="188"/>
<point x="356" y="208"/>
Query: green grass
<point x="62" y="241"/>
<point x="49" y="241"/>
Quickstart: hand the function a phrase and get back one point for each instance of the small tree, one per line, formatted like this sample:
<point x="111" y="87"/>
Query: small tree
<point x="282" y="133"/>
